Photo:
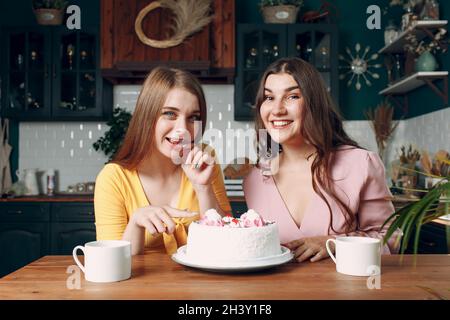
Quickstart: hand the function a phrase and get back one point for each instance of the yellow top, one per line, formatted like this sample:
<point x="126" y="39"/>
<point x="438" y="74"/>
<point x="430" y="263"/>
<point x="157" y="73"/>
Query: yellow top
<point x="119" y="193"/>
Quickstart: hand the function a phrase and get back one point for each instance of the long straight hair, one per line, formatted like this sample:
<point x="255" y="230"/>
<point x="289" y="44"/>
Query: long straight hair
<point x="321" y="127"/>
<point x="139" y="139"/>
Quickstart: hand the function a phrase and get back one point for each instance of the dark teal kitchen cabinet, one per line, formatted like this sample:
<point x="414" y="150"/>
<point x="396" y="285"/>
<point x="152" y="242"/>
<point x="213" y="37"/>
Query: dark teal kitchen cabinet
<point x="30" y="230"/>
<point x="24" y="234"/>
<point x="66" y="236"/>
<point x="53" y="73"/>
<point x="72" y="225"/>
<point x="22" y="243"/>
<point x="26" y="72"/>
<point x="258" y="45"/>
<point x="433" y="239"/>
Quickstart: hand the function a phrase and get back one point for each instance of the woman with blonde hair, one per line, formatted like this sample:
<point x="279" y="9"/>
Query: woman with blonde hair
<point x="160" y="181"/>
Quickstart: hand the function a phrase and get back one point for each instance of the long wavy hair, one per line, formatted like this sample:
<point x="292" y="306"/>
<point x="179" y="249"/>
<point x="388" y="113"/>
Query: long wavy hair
<point x="139" y="139"/>
<point x="321" y="127"/>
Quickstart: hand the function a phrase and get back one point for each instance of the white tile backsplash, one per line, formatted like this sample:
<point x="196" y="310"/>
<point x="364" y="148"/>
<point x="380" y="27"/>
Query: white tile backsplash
<point x="429" y="132"/>
<point x="67" y="146"/>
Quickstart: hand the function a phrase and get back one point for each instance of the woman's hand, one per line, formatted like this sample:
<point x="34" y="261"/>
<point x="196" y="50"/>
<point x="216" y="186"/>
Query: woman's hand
<point x="158" y="219"/>
<point x="199" y="167"/>
<point x="312" y="248"/>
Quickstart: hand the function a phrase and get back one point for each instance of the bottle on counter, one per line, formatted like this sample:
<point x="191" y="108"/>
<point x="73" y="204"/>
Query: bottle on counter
<point x="50" y="182"/>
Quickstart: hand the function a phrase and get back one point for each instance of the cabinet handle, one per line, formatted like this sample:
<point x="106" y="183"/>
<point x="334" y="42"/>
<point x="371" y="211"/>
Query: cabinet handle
<point x="46" y="71"/>
<point x="90" y="213"/>
<point x="54" y="70"/>
<point x="430" y="244"/>
<point x="15" y="212"/>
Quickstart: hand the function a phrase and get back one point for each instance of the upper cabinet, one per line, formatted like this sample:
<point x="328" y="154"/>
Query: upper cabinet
<point x="258" y="45"/>
<point x="208" y="53"/>
<point x="26" y="72"/>
<point x="52" y="73"/>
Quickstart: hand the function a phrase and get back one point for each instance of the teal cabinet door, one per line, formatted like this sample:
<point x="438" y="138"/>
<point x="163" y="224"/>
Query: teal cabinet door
<point x="66" y="236"/>
<point x="26" y="71"/>
<point x="258" y="45"/>
<point x="22" y="243"/>
<point x="53" y="74"/>
<point x="78" y="89"/>
<point x="72" y="225"/>
<point x="433" y="239"/>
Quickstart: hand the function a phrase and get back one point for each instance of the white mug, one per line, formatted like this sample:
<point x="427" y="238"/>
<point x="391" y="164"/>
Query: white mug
<point x="356" y="256"/>
<point x="105" y="260"/>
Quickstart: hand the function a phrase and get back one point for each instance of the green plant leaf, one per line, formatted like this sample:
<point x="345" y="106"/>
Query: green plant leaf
<point x="418" y="211"/>
<point x="416" y="214"/>
<point x="112" y="139"/>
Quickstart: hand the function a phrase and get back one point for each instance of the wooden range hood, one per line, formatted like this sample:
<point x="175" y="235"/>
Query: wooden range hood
<point x="209" y="54"/>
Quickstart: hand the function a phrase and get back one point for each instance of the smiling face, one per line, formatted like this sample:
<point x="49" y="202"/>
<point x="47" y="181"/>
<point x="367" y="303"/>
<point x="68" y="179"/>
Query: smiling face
<point x="281" y="108"/>
<point x="175" y="126"/>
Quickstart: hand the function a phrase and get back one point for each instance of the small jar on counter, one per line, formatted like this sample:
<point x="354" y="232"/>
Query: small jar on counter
<point x="50" y="182"/>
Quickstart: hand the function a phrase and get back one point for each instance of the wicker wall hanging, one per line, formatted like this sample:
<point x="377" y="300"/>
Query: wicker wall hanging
<point x="190" y="16"/>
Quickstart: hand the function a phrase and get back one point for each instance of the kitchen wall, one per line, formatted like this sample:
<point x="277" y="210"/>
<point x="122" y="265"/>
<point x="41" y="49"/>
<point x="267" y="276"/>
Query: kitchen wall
<point x="67" y="146"/>
<point x="350" y="18"/>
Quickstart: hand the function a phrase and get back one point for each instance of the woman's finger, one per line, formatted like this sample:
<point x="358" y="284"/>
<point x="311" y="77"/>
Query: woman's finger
<point x="190" y="156"/>
<point x="209" y="151"/>
<point x="197" y="159"/>
<point x="319" y="256"/>
<point x="203" y="160"/>
<point x="176" y="213"/>
<point x="305" y="255"/>
<point x="148" y="225"/>
<point x="167" y="220"/>
<point x="207" y="159"/>
<point x="295" y="244"/>
<point x="154" y="218"/>
<point x="300" y="250"/>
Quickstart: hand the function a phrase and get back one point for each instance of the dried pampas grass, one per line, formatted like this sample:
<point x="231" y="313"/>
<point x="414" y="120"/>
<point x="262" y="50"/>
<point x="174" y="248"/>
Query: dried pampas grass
<point x="190" y="16"/>
<point x="383" y="125"/>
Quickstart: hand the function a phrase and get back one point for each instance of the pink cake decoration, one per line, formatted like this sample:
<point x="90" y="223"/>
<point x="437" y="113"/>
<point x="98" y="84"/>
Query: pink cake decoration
<point x="249" y="219"/>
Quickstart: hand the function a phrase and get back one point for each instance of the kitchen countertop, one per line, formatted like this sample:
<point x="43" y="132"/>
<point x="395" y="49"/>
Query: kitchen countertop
<point x="55" y="198"/>
<point x="156" y="276"/>
<point x="74" y="198"/>
<point x="90" y="198"/>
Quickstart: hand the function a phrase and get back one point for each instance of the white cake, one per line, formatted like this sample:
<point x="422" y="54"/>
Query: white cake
<point x="228" y="239"/>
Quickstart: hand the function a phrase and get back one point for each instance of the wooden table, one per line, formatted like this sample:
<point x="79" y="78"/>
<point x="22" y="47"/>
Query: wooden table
<point x="156" y="276"/>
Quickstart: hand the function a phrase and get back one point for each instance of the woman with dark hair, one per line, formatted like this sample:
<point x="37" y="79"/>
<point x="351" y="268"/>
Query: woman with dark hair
<point x="318" y="183"/>
<point x="159" y="181"/>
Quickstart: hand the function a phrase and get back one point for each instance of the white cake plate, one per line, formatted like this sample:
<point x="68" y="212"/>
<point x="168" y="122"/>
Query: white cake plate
<point x="241" y="266"/>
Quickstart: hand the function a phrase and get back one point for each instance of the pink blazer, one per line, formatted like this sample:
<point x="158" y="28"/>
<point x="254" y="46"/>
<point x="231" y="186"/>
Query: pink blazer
<point x="360" y="182"/>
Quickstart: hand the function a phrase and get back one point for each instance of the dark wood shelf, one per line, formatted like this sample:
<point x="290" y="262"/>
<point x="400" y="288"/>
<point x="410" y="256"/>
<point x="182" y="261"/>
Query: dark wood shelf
<point x="419" y="29"/>
<point x="413" y="81"/>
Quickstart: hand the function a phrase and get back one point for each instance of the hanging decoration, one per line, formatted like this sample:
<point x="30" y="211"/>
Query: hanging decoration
<point x="190" y="16"/>
<point x="358" y="66"/>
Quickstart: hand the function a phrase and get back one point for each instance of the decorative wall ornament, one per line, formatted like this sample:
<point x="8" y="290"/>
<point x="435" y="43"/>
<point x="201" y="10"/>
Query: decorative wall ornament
<point x="190" y="16"/>
<point x="358" y="66"/>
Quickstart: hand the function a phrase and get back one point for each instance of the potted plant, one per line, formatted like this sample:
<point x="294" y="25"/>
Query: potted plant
<point x="113" y="138"/>
<point x="434" y="204"/>
<point x="49" y="12"/>
<point x="280" y="11"/>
